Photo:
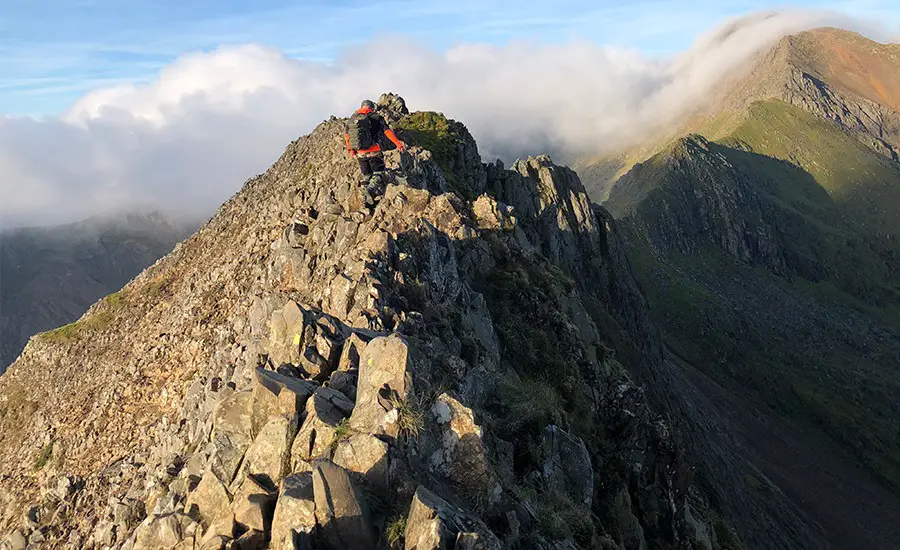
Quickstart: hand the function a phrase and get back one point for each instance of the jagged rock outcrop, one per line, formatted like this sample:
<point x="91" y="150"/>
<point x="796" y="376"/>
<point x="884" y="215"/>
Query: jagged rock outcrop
<point x="474" y="311"/>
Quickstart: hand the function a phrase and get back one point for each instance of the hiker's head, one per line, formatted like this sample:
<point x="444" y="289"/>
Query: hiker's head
<point x="367" y="104"/>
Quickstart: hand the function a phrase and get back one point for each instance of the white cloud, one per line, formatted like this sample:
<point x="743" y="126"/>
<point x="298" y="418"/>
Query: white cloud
<point x="210" y="120"/>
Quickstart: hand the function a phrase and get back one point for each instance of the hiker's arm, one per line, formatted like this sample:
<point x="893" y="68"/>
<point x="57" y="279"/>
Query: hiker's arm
<point x="393" y="137"/>
<point x="347" y="140"/>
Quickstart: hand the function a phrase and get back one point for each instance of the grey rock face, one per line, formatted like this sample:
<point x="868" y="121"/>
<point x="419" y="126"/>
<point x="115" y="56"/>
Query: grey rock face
<point x="295" y="511"/>
<point x="384" y="361"/>
<point x="365" y="455"/>
<point x="567" y="465"/>
<point x="341" y="511"/>
<point x="212" y="501"/>
<point x="232" y="436"/>
<point x="276" y="394"/>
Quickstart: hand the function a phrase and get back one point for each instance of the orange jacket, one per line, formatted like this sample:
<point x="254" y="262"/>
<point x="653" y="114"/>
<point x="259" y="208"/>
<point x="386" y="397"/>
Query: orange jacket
<point x="375" y="148"/>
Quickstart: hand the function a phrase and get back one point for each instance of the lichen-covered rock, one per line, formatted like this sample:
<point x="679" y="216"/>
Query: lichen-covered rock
<point x="294" y="512"/>
<point x="459" y="451"/>
<point x="385" y="362"/>
<point x="232" y="434"/>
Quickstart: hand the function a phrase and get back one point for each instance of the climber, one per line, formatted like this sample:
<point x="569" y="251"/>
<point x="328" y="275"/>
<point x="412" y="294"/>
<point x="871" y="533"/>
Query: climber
<point x="362" y="136"/>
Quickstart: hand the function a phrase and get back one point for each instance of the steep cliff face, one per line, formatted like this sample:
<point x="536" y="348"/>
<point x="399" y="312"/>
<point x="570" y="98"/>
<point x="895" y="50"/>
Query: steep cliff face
<point x="49" y="276"/>
<point x="305" y="373"/>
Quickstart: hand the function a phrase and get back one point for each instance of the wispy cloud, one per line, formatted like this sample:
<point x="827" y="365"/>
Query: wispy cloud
<point x="188" y="138"/>
<point x="111" y="39"/>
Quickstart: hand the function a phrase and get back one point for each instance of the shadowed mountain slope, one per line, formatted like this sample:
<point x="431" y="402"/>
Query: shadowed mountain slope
<point x="769" y="259"/>
<point x="50" y="275"/>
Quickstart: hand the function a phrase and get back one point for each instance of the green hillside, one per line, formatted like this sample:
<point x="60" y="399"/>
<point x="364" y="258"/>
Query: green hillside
<point x="769" y="260"/>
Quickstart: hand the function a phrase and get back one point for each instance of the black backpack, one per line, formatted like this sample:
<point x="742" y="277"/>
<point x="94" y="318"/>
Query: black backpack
<point x="361" y="130"/>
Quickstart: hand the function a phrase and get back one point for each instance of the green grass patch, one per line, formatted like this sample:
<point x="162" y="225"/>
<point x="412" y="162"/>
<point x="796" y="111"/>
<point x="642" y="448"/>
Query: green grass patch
<point x="525" y="297"/>
<point x="98" y="320"/>
<point x="559" y="518"/>
<point x="44" y="457"/>
<point x="443" y="137"/>
<point x="395" y="532"/>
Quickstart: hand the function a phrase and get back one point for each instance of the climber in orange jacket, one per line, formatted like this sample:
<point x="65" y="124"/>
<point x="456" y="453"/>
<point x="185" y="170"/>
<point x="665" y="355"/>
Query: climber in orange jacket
<point x="362" y="135"/>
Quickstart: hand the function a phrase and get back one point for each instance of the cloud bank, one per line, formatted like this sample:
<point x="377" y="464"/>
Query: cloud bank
<point x="188" y="140"/>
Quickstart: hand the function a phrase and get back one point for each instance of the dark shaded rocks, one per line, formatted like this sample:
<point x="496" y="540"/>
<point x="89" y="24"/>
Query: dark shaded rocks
<point x="341" y="512"/>
<point x="567" y="465"/>
<point x="435" y="524"/>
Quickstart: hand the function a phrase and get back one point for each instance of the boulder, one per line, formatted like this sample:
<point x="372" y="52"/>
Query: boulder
<point x="353" y="348"/>
<point x="492" y="215"/>
<point x="287" y="334"/>
<point x="459" y="453"/>
<point x="276" y="394"/>
<point x="365" y="455"/>
<point x="269" y="455"/>
<point x="211" y="500"/>
<point x="231" y="434"/>
<point x="294" y="512"/>
<point x="254" y="504"/>
<point x="567" y="465"/>
<point x="166" y="532"/>
<point x="435" y="524"/>
<point x="324" y="413"/>
<point x="341" y="512"/>
<point x="16" y="541"/>
<point x="384" y="361"/>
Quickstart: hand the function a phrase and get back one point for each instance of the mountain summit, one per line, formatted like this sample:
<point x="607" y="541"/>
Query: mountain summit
<point x="447" y="370"/>
<point x="830" y="74"/>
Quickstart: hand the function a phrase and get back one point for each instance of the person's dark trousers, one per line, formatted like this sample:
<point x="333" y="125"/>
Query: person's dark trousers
<point x="369" y="165"/>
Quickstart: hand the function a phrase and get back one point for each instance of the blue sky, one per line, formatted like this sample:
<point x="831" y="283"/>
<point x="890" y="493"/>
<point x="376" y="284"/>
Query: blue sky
<point x="54" y="51"/>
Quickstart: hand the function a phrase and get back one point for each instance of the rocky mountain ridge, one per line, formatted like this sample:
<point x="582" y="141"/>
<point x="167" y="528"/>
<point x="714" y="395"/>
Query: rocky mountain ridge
<point x="302" y="373"/>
